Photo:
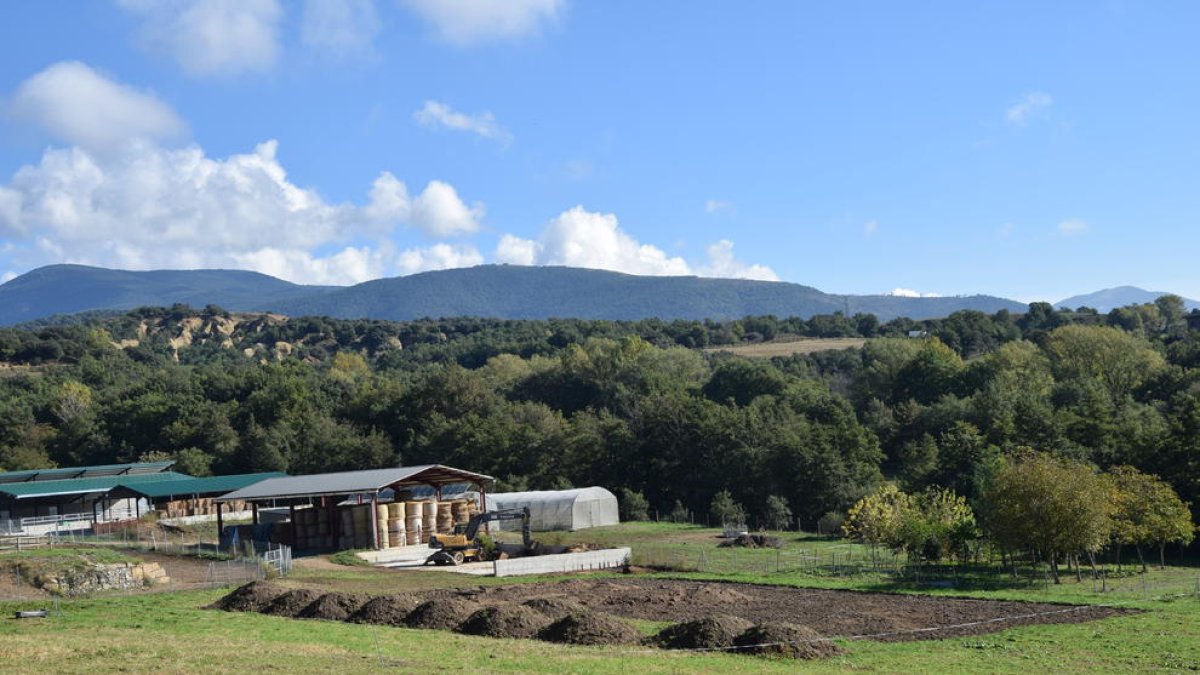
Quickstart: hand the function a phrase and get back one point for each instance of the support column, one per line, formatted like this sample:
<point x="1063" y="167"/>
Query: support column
<point x="375" y="521"/>
<point x="254" y="512"/>
<point x="292" y="520"/>
<point x="220" y="522"/>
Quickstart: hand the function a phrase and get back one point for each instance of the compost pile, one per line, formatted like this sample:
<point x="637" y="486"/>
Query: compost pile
<point x="786" y="640"/>
<point x="752" y="541"/>
<point x="446" y="614"/>
<point x="554" y="607"/>
<point x="253" y="597"/>
<point x="333" y="607"/>
<point x="291" y="603"/>
<point x="591" y="628"/>
<point x="505" y="621"/>
<point x="714" y="632"/>
<point x="386" y="610"/>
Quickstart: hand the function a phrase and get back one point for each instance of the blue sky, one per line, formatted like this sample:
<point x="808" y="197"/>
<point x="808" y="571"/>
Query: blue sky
<point x="1026" y="149"/>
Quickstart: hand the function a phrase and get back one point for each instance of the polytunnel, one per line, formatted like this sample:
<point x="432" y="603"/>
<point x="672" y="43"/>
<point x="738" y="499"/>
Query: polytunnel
<point x="559" y="509"/>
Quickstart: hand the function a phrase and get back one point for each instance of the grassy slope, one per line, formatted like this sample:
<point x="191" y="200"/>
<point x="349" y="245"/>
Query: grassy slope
<point x="171" y="632"/>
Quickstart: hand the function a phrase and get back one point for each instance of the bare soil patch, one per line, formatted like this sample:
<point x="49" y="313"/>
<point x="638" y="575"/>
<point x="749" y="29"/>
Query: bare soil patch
<point x="787" y="347"/>
<point x="882" y="616"/>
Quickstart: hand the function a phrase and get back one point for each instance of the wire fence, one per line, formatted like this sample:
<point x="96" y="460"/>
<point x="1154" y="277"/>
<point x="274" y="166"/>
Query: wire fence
<point x="882" y="567"/>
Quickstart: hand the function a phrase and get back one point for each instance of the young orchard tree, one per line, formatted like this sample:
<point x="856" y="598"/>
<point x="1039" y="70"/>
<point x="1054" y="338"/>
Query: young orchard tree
<point x="1148" y="512"/>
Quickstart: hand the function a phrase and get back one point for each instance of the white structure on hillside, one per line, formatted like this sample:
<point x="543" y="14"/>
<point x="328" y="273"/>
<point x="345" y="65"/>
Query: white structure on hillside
<point x="559" y="509"/>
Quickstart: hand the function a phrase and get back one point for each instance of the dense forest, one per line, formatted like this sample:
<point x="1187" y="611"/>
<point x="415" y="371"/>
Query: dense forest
<point x="637" y="407"/>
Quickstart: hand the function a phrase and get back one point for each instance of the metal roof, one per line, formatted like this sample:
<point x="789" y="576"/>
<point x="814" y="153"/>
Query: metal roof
<point x="353" y="482"/>
<point x="84" y="472"/>
<point x="78" y="486"/>
<point x="190" y="487"/>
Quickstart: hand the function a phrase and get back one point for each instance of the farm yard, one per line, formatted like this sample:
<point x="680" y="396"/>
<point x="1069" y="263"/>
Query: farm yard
<point x="789" y="346"/>
<point x="877" y="621"/>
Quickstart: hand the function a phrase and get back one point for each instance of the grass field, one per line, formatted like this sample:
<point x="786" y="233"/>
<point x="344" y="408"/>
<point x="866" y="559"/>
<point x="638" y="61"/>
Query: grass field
<point x="171" y="632"/>
<point x="787" y="347"/>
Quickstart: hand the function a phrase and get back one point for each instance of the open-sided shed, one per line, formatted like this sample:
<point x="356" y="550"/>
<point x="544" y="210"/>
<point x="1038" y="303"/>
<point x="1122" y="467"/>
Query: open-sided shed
<point x="326" y="490"/>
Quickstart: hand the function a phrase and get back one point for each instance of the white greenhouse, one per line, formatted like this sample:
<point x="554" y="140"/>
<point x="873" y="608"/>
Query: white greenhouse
<point x="559" y="509"/>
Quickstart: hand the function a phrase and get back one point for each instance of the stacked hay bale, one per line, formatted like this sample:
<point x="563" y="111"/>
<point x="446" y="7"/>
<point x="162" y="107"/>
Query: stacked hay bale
<point x="412" y="523"/>
<point x="397" y="532"/>
<point x="445" y="518"/>
<point x="429" y="510"/>
<point x="460" y="512"/>
<point x="312" y="529"/>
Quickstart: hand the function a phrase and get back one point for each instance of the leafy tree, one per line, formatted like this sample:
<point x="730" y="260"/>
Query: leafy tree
<point x="878" y="518"/>
<point x="725" y="510"/>
<point x="778" y="516"/>
<point x="633" y="505"/>
<point x="1052" y="507"/>
<point x="1148" y="512"/>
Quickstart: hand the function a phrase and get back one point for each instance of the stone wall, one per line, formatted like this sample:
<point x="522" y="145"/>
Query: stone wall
<point x="118" y="576"/>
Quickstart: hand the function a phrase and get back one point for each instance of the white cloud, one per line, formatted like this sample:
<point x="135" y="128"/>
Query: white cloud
<point x="722" y="264"/>
<point x="716" y="206"/>
<point x="437" y="257"/>
<point x="1072" y="227"/>
<point x="437" y="115"/>
<point x="152" y="207"/>
<point x="1030" y="105"/>
<point x="344" y="27"/>
<point x="7" y="277"/>
<point x="871" y="227"/>
<point x="78" y="105"/>
<point x="468" y="22"/>
<point x="212" y="37"/>
<point x="910" y="293"/>
<point x="580" y="238"/>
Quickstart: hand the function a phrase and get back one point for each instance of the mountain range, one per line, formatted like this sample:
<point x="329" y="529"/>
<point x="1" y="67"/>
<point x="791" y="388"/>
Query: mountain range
<point x="1112" y="298"/>
<point x="496" y="291"/>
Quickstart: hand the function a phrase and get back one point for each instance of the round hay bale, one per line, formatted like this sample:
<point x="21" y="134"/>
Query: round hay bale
<point x="252" y="597"/>
<point x="713" y="632"/>
<point x="590" y="628"/>
<point x="446" y="614"/>
<point x="332" y="607"/>
<point x="291" y="603"/>
<point x="386" y="610"/>
<point x="786" y="640"/>
<point x="555" y="607"/>
<point x="505" y="621"/>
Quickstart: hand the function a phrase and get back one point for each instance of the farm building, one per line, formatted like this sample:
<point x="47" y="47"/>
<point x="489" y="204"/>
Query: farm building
<point x="190" y="497"/>
<point x="76" y="494"/>
<point x="561" y="509"/>
<point x="362" y="509"/>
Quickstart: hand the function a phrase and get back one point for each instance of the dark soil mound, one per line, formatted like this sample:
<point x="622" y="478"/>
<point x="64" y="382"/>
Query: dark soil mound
<point x="554" y="607"/>
<point x="253" y="597"/>
<point x="712" y="632"/>
<point x="591" y="628"/>
<point x="505" y="621"/>
<point x="786" y="640"/>
<point x="332" y="607"/>
<point x="753" y="541"/>
<point x="387" y="610"/>
<point x="291" y="603"/>
<point x="446" y="614"/>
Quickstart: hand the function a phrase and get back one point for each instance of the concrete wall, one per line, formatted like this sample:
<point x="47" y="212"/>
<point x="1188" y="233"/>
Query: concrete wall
<point x="564" y="562"/>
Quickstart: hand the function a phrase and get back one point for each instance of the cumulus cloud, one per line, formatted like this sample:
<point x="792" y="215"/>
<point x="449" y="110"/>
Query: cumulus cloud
<point x="580" y="238"/>
<point x="1072" y="226"/>
<point x="437" y="257"/>
<point x="1029" y="106"/>
<point x="910" y="293"/>
<point x="435" y="115"/>
<point x="343" y="27"/>
<point x="78" y="105"/>
<point x="153" y="207"/>
<point x="722" y="264"/>
<point x="212" y="37"/>
<point x="469" y="22"/>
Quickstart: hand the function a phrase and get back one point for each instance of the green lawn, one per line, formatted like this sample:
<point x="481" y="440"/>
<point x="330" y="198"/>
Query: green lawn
<point x="171" y="632"/>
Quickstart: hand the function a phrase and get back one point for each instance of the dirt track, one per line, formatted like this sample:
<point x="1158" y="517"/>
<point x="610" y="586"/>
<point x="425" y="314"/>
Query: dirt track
<point x="885" y="617"/>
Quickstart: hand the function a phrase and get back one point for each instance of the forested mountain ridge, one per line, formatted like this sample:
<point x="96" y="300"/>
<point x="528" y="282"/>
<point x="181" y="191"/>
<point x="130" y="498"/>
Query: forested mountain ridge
<point x="634" y="406"/>
<point x="1109" y="299"/>
<point x="492" y="291"/>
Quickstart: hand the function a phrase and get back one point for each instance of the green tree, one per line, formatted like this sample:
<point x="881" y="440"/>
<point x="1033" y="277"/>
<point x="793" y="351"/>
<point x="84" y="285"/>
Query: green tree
<point x="633" y="505"/>
<point x="777" y="515"/>
<point x="1148" y="512"/>
<point x="725" y="510"/>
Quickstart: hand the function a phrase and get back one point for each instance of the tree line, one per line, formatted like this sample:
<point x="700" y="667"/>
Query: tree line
<point x="633" y="406"/>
